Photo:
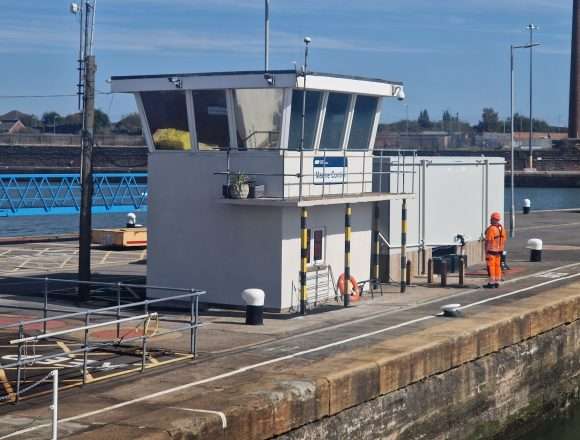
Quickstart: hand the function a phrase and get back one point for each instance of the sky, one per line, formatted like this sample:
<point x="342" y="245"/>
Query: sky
<point x="451" y="54"/>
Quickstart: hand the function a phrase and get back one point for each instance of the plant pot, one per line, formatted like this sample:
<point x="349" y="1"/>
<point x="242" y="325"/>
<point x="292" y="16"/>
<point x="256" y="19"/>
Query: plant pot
<point x="239" y="191"/>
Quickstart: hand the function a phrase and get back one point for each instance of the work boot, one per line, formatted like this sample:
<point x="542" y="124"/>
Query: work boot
<point x="488" y="286"/>
<point x="496" y="286"/>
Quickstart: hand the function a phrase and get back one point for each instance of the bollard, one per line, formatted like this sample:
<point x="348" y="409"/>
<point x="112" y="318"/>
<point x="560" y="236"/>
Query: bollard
<point x="254" y="299"/>
<point x="527" y="206"/>
<point x="408" y="273"/>
<point x="443" y="272"/>
<point x="430" y="271"/>
<point x="535" y="246"/>
<point x="461" y="271"/>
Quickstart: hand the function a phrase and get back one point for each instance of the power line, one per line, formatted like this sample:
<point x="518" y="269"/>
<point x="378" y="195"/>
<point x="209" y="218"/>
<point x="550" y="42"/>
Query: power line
<point x="46" y="96"/>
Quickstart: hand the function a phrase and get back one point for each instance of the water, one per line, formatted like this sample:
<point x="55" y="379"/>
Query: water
<point x="544" y="198"/>
<point x="559" y="429"/>
<point x="59" y="224"/>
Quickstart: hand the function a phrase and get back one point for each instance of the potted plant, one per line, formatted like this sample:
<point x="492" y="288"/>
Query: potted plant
<point x="239" y="187"/>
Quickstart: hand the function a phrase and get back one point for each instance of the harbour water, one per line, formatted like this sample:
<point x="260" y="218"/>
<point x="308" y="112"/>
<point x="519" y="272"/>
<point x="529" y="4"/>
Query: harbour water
<point x="565" y="428"/>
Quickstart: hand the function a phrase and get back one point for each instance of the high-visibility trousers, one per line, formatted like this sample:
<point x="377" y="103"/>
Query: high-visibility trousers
<point x="494" y="267"/>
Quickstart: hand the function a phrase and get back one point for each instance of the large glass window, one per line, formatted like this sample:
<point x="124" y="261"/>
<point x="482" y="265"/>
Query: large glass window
<point x="362" y="123"/>
<point x="334" y="121"/>
<point x="313" y="100"/>
<point x="167" y="116"/>
<point x="259" y="117"/>
<point x="211" y="119"/>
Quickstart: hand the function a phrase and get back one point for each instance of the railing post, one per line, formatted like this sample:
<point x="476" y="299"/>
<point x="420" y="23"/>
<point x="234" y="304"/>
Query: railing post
<point x="54" y="406"/>
<point x="144" y="340"/>
<point x="45" y="306"/>
<point x="19" y="366"/>
<point x="192" y="324"/>
<point x="376" y="245"/>
<point x="303" y="260"/>
<point x="408" y="273"/>
<point x="118" y="310"/>
<point x="195" y="329"/>
<point x="430" y="271"/>
<point x="347" y="238"/>
<point x="85" y="348"/>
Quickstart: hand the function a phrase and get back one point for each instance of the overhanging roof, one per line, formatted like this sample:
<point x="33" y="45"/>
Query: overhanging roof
<point x="256" y="79"/>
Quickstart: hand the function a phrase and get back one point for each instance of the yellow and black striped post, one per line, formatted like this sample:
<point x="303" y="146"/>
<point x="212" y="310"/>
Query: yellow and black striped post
<point x="303" y="260"/>
<point x="376" y="247"/>
<point x="347" y="237"/>
<point x="403" y="245"/>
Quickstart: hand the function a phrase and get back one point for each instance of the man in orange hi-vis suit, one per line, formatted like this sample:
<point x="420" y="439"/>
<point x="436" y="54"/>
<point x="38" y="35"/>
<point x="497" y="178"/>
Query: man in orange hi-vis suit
<point x="495" y="239"/>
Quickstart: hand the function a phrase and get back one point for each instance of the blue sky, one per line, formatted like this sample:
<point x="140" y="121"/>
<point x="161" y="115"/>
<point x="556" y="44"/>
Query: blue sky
<point x="451" y="54"/>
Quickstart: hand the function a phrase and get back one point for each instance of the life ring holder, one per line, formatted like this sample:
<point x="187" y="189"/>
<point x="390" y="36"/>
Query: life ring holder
<point x="355" y="295"/>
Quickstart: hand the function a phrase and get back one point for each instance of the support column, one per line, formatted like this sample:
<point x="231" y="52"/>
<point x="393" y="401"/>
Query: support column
<point x="376" y="247"/>
<point x="303" y="260"/>
<point x="403" y="245"/>
<point x="347" y="236"/>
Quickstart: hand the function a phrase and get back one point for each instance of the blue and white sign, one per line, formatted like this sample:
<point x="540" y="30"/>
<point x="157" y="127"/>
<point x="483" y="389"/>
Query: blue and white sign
<point x="330" y="170"/>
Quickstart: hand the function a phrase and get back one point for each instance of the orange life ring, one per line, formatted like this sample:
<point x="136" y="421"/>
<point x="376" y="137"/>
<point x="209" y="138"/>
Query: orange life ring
<point x="355" y="295"/>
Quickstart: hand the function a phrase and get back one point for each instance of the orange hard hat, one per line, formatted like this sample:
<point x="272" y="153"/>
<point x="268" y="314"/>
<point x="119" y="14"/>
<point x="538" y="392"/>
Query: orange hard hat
<point x="496" y="216"/>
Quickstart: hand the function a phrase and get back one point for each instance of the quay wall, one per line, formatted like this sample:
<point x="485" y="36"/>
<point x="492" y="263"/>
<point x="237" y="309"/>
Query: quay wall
<point x="492" y="374"/>
<point x="67" y="159"/>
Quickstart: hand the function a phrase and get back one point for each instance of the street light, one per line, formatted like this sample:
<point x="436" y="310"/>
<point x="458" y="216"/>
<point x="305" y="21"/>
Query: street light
<point x="512" y="99"/>
<point x="531" y="28"/>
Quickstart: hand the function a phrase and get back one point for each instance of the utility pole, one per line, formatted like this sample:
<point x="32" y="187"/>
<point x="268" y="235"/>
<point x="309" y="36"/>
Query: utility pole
<point x="87" y="10"/>
<point x="87" y="142"/>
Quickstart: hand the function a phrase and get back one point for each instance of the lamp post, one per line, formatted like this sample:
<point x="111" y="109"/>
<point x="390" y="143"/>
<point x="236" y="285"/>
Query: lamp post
<point x="307" y="41"/>
<point x="531" y="28"/>
<point x="267" y="37"/>
<point x="512" y="99"/>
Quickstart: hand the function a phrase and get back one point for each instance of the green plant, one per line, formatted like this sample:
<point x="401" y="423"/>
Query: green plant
<point x="238" y="180"/>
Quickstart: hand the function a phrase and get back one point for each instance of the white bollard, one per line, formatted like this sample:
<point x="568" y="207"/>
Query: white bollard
<point x="527" y="206"/>
<point x="535" y="246"/>
<point x="254" y="299"/>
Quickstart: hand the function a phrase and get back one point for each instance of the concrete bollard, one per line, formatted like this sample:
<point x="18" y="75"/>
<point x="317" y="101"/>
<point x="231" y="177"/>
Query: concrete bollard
<point x="535" y="246"/>
<point x="254" y="299"/>
<point x="408" y="273"/>
<point x="527" y="206"/>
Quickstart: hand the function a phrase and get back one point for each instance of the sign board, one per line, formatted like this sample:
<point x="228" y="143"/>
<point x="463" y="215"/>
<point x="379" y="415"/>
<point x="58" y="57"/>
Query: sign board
<point x="329" y="170"/>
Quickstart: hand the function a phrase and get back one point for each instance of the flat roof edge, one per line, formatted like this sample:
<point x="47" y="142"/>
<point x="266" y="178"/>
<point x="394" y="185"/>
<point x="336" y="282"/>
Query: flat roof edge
<point x="253" y="72"/>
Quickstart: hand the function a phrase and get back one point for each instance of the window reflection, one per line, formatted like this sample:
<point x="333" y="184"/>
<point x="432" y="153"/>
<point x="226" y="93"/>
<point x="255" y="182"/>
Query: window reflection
<point x="362" y="122"/>
<point x="258" y="117"/>
<point x="334" y="121"/>
<point x="167" y="116"/>
<point x="313" y="99"/>
<point x="211" y="119"/>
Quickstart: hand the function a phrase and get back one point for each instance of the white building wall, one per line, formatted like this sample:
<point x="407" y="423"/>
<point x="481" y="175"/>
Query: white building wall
<point x="331" y="219"/>
<point x="457" y="196"/>
<point x="197" y="242"/>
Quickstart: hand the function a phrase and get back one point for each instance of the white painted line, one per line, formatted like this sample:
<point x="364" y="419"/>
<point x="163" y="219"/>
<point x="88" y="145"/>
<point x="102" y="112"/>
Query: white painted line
<point x="205" y="411"/>
<point x="277" y="360"/>
<point x="531" y="228"/>
<point x="515" y="292"/>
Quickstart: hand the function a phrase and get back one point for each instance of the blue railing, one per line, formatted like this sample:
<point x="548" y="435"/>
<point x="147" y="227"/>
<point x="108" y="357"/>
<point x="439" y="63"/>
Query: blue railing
<point x="53" y="194"/>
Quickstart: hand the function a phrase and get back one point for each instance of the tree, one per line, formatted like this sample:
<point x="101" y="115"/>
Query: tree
<point x="424" y="121"/>
<point x="489" y="121"/>
<point x="51" y="119"/>
<point x="102" y="121"/>
<point x="129" y="124"/>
